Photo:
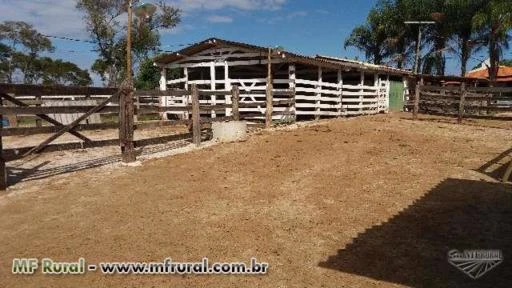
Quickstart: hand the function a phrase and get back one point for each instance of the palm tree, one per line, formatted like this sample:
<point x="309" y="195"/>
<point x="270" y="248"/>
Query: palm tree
<point x="493" y="23"/>
<point x="370" y="38"/>
<point x="460" y="15"/>
<point x="399" y="37"/>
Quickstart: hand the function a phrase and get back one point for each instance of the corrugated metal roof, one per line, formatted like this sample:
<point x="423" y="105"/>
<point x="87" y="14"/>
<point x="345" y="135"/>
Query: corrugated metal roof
<point x="364" y="64"/>
<point x="322" y="61"/>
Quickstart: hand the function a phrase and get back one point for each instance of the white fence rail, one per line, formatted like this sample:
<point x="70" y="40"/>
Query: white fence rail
<point x="312" y="98"/>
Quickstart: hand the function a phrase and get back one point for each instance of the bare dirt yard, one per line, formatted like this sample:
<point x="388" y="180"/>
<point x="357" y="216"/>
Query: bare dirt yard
<point x="363" y="202"/>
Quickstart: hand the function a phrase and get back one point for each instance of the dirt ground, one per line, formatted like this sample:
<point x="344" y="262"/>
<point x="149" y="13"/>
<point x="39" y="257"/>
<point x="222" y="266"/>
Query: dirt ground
<point x="373" y="201"/>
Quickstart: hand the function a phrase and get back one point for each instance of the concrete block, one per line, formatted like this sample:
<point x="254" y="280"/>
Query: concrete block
<point x="229" y="131"/>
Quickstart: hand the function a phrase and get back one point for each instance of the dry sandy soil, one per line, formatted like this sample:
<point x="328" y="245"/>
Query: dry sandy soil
<point x="364" y="202"/>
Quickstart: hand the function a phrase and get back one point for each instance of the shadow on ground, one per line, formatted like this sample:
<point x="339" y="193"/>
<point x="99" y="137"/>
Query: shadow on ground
<point x="17" y="174"/>
<point x="497" y="166"/>
<point x="411" y="248"/>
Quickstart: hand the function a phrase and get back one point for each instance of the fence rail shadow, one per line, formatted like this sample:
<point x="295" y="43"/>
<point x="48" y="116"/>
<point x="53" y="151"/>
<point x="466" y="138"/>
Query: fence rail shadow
<point x="17" y="174"/>
<point x="497" y="166"/>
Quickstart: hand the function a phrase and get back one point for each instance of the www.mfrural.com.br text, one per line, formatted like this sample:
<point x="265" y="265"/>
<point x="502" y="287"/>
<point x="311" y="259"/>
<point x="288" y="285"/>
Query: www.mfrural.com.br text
<point x="29" y="266"/>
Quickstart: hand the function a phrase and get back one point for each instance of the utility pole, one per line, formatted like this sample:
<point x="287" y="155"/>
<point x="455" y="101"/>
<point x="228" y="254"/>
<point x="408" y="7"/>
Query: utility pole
<point x="129" y="77"/>
<point x="126" y="109"/>
<point x="418" y="42"/>
<point x="126" y="105"/>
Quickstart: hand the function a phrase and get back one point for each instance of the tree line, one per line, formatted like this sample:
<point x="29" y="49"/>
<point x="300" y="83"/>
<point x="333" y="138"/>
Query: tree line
<point x="22" y="47"/>
<point x="461" y="29"/>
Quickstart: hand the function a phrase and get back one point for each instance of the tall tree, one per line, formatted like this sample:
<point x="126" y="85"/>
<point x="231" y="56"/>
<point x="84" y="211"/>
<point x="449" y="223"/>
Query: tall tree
<point x="370" y="38"/>
<point x="399" y="36"/>
<point x="52" y="72"/>
<point x="148" y="77"/>
<point x="24" y="44"/>
<point x="105" y="27"/>
<point x="437" y="35"/>
<point x="5" y="54"/>
<point x="20" y="49"/>
<point x="493" y="23"/>
<point x="460" y="18"/>
<point x="462" y="27"/>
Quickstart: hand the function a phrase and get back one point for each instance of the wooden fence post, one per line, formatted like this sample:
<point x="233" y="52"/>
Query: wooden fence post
<point x="508" y="172"/>
<point x="461" y="102"/>
<point x="489" y="102"/>
<point x="137" y="104"/>
<point x="416" y="107"/>
<point x="196" y="117"/>
<point x="39" y="101"/>
<point x="235" y="93"/>
<point x="126" y="125"/>
<point x="3" y="172"/>
<point x="88" y="97"/>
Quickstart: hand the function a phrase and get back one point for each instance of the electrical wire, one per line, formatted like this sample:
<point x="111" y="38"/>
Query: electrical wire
<point x="161" y="50"/>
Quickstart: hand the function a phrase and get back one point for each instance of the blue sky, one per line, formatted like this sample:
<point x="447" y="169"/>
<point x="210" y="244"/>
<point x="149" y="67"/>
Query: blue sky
<point x="304" y="26"/>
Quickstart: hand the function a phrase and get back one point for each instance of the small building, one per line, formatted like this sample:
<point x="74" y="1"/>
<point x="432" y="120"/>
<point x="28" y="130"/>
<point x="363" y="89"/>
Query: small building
<point x="322" y="86"/>
<point x="504" y="77"/>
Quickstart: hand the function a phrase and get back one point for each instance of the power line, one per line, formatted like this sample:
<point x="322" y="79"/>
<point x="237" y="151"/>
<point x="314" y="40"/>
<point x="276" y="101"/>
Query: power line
<point x="69" y="39"/>
<point x="94" y="42"/>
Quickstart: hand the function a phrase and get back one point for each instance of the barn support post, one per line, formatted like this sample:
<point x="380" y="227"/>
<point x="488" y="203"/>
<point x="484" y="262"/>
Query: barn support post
<point x="461" y="102"/>
<point x="163" y="87"/>
<point x="184" y="99"/>
<point x="196" y="117"/>
<point x="318" y="94"/>
<point x="235" y="96"/>
<point x="376" y="85"/>
<point x="163" y="79"/>
<point x="340" y="91"/>
<point x="388" y="90"/>
<point x="213" y="81"/>
<point x="227" y="87"/>
<point x="292" y="77"/>
<point x="406" y="94"/>
<point x="361" y="97"/>
<point x="3" y="172"/>
<point x="270" y="97"/>
<point x="126" y="113"/>
<point x="416" y="107"/>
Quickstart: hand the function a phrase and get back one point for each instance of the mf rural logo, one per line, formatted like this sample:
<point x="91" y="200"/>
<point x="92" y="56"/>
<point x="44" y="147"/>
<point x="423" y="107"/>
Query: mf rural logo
<point x="475" y="263"/>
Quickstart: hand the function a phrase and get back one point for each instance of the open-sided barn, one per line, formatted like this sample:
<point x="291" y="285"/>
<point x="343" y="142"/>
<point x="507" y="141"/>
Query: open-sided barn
<point x="321" y="86"/>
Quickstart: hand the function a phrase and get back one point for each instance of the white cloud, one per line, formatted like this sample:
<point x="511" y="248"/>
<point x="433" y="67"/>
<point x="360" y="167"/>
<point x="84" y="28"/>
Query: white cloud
<point x="219" y="19"/>
<point x="48" y="16"/>
<point x="280" y="18"/>
<point x="297" y="14"/>
<point x="182" y="28"/>
<point x="237" y="4"/>
<point x="321" y="11"/>
<point x="60" y="17"/>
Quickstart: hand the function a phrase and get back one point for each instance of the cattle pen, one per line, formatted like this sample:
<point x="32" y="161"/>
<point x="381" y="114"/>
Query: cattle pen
<point x="218" y="80"/>
<point x="46" y="106"/>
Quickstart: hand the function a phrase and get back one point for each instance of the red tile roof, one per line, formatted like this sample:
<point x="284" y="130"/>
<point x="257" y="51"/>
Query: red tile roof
<point x="504" y="74"/>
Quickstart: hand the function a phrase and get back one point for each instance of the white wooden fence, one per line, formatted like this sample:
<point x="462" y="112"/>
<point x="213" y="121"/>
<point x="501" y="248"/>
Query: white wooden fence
<point x="312" y="98"/>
